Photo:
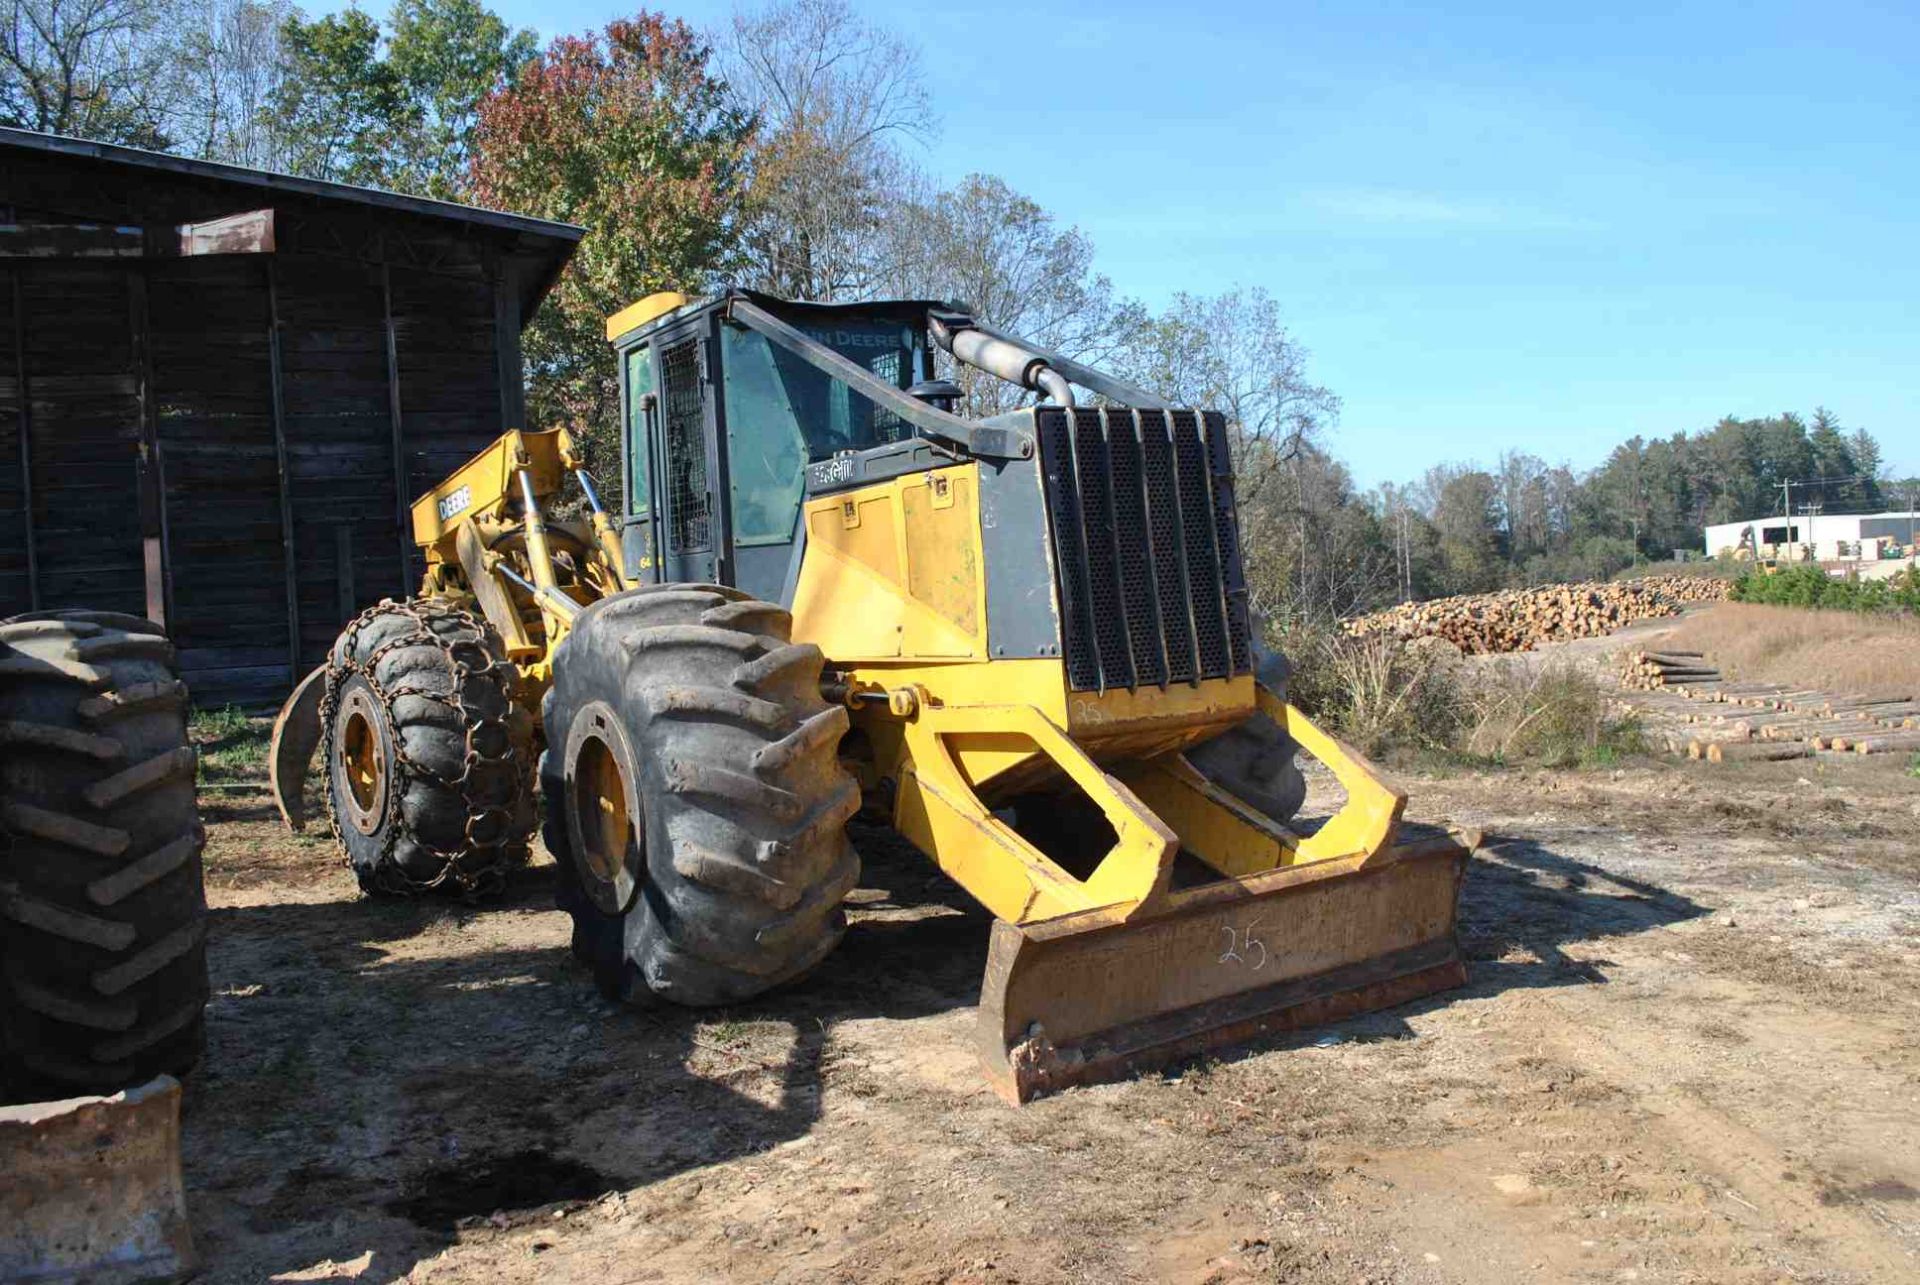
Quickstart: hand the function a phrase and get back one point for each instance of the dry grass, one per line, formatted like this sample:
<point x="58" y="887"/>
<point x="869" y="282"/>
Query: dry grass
<point x="1554" y="714"/>
<point x="1389" y="693"/>
<point x="1838" y="651"/>
<point x="1386" y="695"/>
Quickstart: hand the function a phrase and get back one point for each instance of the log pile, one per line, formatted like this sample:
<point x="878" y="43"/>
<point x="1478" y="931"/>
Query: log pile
<point x="1522" y="619"/>
<point x="1738" y="721"/>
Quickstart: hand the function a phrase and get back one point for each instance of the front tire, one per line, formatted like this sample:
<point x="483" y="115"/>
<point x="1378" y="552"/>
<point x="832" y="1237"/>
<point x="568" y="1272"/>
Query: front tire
<point x="695" y="801"/>
<point x="103" y="915"/>
<point x="429" y="761"/>
<point x="1256" y="760"/>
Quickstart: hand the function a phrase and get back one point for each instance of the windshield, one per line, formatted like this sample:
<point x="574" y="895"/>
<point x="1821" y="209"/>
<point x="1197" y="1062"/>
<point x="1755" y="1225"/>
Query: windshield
<point x="783" y="413"/>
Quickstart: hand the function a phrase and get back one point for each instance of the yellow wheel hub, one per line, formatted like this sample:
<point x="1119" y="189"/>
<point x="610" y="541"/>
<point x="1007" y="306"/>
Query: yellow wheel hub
<point x="361" y="747"/>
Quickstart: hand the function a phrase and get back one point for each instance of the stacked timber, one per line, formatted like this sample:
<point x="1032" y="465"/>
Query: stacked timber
<point x="1649" y="671"/>
<point x="1522" y="619"/>
<point x="1739" y="722"/>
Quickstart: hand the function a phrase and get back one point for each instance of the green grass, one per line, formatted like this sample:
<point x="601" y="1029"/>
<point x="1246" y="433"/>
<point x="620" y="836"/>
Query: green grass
<point x="1616" y="739"/>
<point x="1913" y="766"/>
<point x="727" y="1033"/>
<point x="233" y="747"/>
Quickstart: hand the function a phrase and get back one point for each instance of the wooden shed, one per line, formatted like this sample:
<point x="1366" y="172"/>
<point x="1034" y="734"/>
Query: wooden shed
<point x="220" y="389"/>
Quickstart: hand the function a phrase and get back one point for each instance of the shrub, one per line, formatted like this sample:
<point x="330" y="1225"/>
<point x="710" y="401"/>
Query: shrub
<point x="1377" y="691"/>
<point x="1555" y="715"/>
<point x="1396" y="693"/>
<point x="1382" y="694"/>
<point x="1808" y="586"/>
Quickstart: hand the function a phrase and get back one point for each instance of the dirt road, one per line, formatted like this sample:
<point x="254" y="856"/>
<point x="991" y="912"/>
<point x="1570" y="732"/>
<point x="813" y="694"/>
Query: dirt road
<point x="1689" y="1052"/>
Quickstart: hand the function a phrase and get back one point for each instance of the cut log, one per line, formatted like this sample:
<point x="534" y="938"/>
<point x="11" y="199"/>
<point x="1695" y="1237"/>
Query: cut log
<point x="1809" y="727"/>
<point x="1887" y="744"/>
<point x="1756" y="751"/>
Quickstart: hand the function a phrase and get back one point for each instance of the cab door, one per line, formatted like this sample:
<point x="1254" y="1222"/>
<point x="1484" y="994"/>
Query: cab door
<point x="639" y="517"/>
<point x="691" y="529"/>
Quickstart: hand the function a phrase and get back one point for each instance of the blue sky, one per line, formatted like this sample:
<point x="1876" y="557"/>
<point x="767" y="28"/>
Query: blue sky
<point x="1524" y="225"/>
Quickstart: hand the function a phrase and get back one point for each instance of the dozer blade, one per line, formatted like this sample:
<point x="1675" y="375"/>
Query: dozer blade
<point x="295" y="734"/>
<point x="1296" y="930"/>
<point x="1092" y="996"/>
<point x="90" y="1190"/>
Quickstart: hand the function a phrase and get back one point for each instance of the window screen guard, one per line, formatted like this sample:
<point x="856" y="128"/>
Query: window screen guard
<point x="689" y="527"/>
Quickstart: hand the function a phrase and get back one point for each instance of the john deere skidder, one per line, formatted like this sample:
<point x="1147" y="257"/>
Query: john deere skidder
<point x="1023" y="642"/>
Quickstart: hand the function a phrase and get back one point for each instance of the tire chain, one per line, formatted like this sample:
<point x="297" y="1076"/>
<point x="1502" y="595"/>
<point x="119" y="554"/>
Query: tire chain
<point x="479" y="867"/>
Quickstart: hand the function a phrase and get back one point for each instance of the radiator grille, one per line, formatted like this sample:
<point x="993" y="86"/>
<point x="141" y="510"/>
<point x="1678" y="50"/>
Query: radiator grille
<point x="1146" y="547"/>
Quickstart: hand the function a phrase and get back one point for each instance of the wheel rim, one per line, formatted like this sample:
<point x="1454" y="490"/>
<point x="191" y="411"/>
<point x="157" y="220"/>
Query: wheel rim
<point x="606" y="813"/>
<point x="362" y="761"/>
<point x="600" y="801"/>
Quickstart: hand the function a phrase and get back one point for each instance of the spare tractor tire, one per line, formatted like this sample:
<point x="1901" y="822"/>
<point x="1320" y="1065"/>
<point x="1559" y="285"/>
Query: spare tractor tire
<point x="429" y="761"/>
<point x="1256" y="760"/>
<point x="695" y="800"/>
<point x="103" y="970"/>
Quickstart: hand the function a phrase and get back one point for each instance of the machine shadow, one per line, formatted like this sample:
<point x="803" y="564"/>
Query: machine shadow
<point x="1521" y="905"/>
<point x="366" y="1088"/>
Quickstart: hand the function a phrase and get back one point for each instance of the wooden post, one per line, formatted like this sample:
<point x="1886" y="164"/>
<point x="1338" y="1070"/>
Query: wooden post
<point x="285" y="479"/>
<point x="402" y="500"/>
<point x="506" y="342"/>
<point x="25" y="423"/>
<point x="349" y="601"/>
<point x="150" y="477"/>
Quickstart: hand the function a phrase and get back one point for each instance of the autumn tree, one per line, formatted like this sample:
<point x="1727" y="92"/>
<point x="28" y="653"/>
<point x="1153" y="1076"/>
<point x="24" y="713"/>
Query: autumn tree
<point x="982" y="244"/>
<point x="629" y="133"/>
<point x="1315" y="550"/>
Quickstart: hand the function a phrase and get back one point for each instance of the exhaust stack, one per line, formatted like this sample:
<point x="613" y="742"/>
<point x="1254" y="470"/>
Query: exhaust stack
<point x="1002" y="358"/>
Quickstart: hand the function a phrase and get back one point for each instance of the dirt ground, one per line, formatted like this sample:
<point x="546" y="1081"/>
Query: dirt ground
<point x="1689" y="1051"/>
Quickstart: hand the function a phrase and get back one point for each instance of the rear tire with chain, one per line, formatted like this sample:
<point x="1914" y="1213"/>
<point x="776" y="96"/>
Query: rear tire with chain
<point x="103" y="973"/>
<point x="429" y="761"/>
<point x="695" y="800"/>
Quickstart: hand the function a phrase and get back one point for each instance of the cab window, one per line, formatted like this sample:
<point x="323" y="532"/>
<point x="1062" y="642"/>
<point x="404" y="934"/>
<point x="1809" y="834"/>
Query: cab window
<point x="639" y="384"/>
<point x="782" y="413"/>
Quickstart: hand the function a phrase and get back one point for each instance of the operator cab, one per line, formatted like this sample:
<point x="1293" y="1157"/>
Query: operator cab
<point x="706" y="396"/>
<point x="1106" y="534"/>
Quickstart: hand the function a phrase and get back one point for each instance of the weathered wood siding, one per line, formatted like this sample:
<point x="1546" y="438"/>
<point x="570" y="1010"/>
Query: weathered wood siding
<point x="296" y="402"/>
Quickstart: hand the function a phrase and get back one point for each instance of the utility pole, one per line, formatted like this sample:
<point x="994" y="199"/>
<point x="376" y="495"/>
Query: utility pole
<point x="1913" y="554"/>
<point x="1406" y="556"/>
<point x="1811" y="510"/>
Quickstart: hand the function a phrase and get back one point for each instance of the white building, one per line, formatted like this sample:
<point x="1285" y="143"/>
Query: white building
<point x="1833" y="536"/>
